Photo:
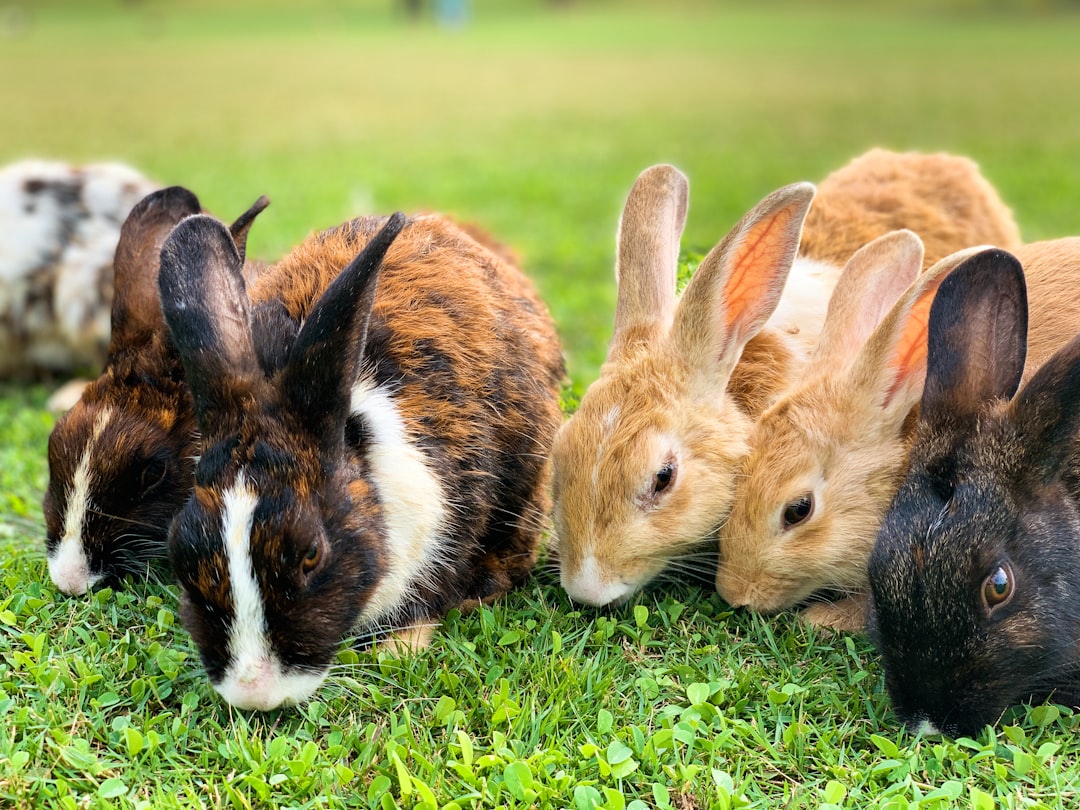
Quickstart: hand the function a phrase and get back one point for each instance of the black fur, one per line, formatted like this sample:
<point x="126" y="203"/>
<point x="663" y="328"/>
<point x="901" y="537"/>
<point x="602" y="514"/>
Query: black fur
<point x="991" y="484"/>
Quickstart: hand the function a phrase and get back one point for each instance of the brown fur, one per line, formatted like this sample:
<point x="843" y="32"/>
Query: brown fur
<point x="1052" y="272"/>
<point x="943" y="198"/>
<point x="642" y="470"/>
<point x="829" y="435"/>
<point x="434" y="261"/>
<point x="457" y="340"/>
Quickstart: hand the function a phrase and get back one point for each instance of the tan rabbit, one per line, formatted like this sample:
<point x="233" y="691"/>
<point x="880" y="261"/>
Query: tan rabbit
<point x="826" y="458"/>
<point x="645" y="471"/>
<point x="644" y="467"/>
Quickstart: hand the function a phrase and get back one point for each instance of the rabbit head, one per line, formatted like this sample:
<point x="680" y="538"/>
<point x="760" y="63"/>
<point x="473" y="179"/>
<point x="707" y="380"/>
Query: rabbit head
<point x="644" y="471"/>
<point x="825" y="458"/>
<point x="972" y="579"/>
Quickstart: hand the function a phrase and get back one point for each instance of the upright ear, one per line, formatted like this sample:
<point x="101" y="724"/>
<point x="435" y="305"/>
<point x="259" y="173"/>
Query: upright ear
<point x="739" y="283"/>
<point x="240" y="228"/>
<point x="206" y="308"/>
<point x="136" y="309"/>
<point x="1047" y="411"/>
<point x="977" y="339"/>
<point x="325" y="358"/>
<point x="647" y="255"/>
<point x="890" y="367"/>
<point x="871" y="283"/>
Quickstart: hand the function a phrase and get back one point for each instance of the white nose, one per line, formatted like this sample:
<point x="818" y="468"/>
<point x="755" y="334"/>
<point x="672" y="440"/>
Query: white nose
<point x="251" y="685"/>
<point x="69" y="568"/>
<point x="590" y="586"/>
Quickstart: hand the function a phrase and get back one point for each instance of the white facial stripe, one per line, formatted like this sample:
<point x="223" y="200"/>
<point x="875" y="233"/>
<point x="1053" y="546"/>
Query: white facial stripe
<point x="927" y="729"/>
<point x="254" y="678"/>
<point x="411" y="498"/>
<point x="69" y="565"/>
<point x="247" y="635"/>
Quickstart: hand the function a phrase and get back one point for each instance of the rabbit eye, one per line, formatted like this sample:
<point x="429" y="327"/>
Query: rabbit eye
<point x="798" y="510"/>
<point x="153" y="473"/>
<point x="312" y="558"/>
<point x="998" y="588"/>
<point x="664" y="476"/>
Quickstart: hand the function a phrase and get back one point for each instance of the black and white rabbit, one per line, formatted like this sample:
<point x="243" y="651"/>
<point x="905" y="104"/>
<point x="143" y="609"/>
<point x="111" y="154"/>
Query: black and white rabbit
<point x="973" y="573"/>
<point x="394" y="468"/>
<point x="121" y="460"/>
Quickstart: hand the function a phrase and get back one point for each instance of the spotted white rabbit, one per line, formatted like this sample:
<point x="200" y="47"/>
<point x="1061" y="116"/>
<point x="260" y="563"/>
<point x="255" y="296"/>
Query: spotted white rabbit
<point x="59" y="225"/>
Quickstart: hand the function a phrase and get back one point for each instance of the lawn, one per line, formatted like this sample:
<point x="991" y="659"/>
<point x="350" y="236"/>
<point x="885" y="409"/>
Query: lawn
<point x="531" y="122"/>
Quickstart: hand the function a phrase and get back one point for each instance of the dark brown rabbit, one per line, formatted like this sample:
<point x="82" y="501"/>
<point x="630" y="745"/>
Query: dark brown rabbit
<point x="396" y="465"/>
<point x="121" y="460"/>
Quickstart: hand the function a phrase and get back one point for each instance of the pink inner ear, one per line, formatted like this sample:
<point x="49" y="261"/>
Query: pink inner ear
<point x="909" y="355"/>
<point x="749" y="295"/>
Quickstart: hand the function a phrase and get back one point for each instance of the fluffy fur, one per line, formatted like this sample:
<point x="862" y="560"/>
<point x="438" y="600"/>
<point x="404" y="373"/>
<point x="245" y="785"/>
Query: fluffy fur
<point x="121" y="460"/>
<point x="972" y="575"/>
<point x="943" y="198"/>
<point x="59" y="226"/>
<point x="397" y="457"/>
<point x="612" y="541"/>
<point x="644" y="470"/>
<point x="839" y="438"/>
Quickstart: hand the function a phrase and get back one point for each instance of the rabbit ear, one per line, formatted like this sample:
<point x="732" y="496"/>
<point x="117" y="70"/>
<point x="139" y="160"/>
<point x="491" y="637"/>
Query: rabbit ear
<point x="647" y="255"/>
<point x="206" y="307"/>
<point x="871" y="283"/>
<point x="325" y="357"/>
<point x="977" y="336"/>
<point x="891" y="365"/>
<point x="136" y="309"/>
<point x="1048" y="410"/>
<point x="739" y="283"/>
<point x="240" y="228"/>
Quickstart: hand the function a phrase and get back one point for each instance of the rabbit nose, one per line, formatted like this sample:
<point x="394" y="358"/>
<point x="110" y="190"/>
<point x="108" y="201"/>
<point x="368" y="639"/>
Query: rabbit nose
<point x="69" y="567"/>
<point x="589" y="585"/>
<point x="251" y="685"/>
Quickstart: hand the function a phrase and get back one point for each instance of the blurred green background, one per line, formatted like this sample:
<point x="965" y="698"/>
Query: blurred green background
<point x="532" y="118"/>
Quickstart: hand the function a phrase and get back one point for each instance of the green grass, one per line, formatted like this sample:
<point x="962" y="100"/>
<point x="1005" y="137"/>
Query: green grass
<point x="532" y="124"/>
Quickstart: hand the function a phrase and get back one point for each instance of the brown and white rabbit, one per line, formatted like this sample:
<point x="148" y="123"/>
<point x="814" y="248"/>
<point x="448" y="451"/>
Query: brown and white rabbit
<point x="974" y="604"/>
<point x="59" y="225"/>
<point x="121" y="459"/>
<point x="826" y="458"/>
<point x="645" y="471"/>
<point x="394" y="468"/>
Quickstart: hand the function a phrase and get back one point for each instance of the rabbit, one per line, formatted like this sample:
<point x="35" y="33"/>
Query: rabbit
<point x="618" y="520"/>
<point x="942" y="197"/>
<point x="973" y="602"/>
<point x="395" y="466"/>
<point x="644" y="467"/>
<point x="59" y="226"/>
<point x="825" y="459"/>
<point x="121" y="460"/>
